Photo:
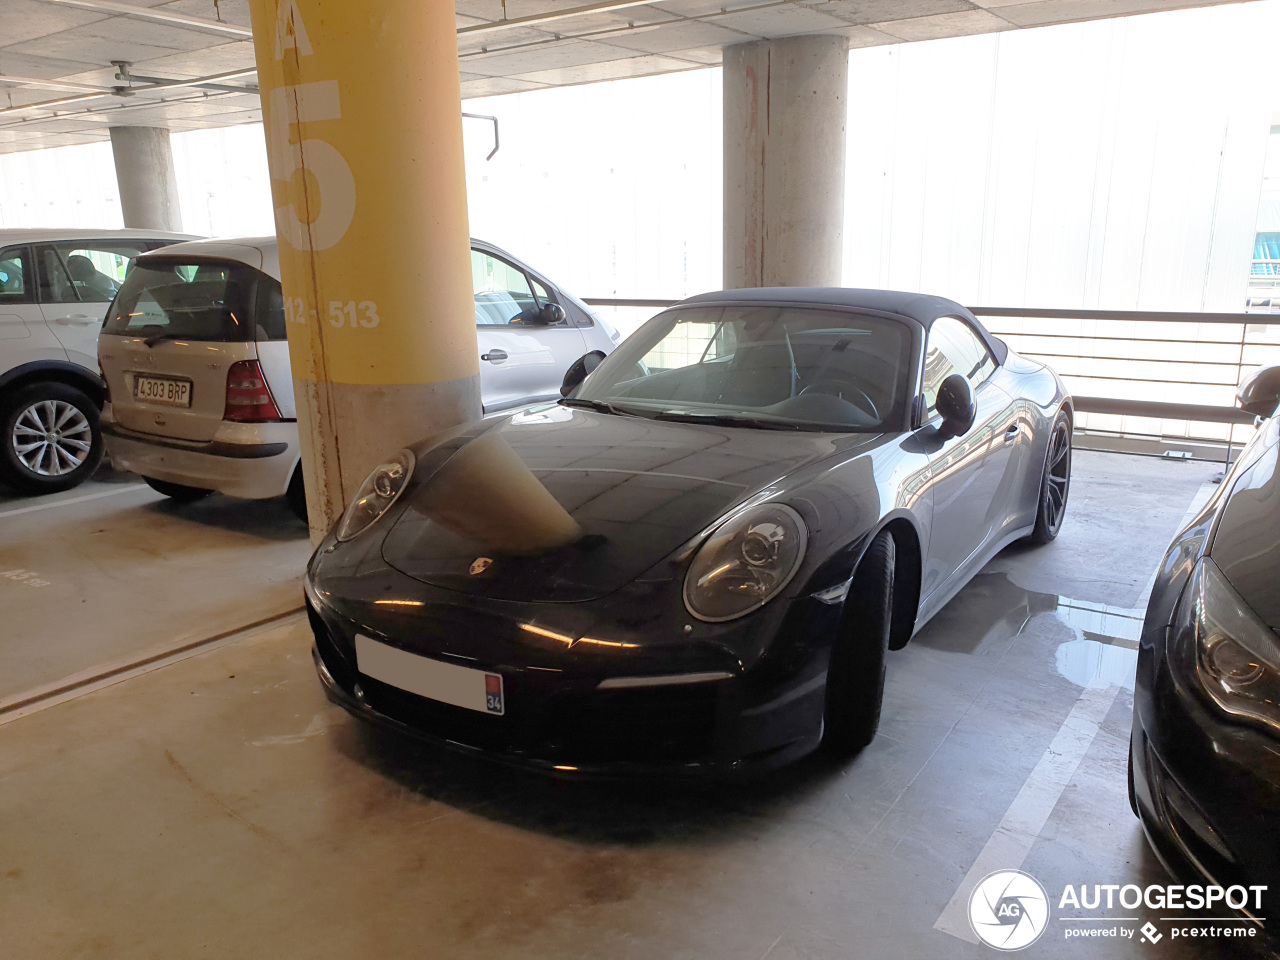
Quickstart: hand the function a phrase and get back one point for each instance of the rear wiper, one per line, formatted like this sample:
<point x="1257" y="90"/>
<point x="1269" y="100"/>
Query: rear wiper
<point x="153" y="340"/>
<point x="600" y="406"/>
<point x="724" y="420"/>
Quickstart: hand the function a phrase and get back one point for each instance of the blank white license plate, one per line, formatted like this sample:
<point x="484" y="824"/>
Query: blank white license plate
<point x="446" y="682"/>
<point x="174" y="393"/>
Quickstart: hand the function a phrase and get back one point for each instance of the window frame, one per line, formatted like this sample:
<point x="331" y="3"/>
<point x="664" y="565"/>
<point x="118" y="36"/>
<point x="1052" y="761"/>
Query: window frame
<point x="926" y="416"/>
<point x="531" y="279"/>
<point x="30" y="283"/>
<point x="44" y="285"/>
<point x="62" y="249"/>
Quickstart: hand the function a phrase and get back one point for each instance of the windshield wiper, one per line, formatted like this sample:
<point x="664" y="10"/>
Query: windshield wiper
<point x="795" y="374"/>
<point x="724" y="420"/>
<point x="599" y="406"/>
<point x="157" y="338"/>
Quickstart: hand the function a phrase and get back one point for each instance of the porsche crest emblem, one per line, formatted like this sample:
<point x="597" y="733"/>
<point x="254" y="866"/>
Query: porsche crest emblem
<point x="480" y="565"/>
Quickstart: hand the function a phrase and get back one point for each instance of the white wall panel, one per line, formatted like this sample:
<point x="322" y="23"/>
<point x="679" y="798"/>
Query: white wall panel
<point x="612" y="189"/>
<point x="1113" y="164"/>
<point x="72" y="186"/>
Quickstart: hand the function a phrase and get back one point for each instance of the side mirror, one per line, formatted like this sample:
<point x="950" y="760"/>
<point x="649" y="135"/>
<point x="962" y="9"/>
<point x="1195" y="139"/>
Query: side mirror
<point x="579" y="371"/>
<point x="955" y="403"/>
<point x="551" y="313"/>
<point x="1259" y="393"/>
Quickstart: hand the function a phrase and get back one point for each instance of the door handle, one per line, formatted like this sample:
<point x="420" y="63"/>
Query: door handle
<point x="1011" y="433"/>
<point x="494" y="356"/>
<point x="78" y="319"/>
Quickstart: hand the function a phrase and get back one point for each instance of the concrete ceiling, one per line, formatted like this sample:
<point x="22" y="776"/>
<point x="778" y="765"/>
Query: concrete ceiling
<point x="57" y="78"/>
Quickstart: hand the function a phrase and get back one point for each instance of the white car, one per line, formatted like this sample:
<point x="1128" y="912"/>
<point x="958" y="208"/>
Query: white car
<point x="201" y="402"/>
<point x="55" y="287"/>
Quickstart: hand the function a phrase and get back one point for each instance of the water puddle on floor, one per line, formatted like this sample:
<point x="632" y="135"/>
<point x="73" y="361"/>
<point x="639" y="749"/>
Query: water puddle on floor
<point x="993" y="609"/>
<point x="1093" y="662"/>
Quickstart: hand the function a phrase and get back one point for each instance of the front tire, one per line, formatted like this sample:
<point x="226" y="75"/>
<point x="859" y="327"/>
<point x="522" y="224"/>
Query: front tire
<point x="1055" y="482"/>
<point x="855" y="675"/>
<point x="50" y="439"/>
<point x="177" y="491"/>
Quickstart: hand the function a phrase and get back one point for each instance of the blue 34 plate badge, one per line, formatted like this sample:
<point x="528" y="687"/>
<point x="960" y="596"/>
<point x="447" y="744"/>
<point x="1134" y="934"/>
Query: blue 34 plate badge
<point x="493" y="693"/>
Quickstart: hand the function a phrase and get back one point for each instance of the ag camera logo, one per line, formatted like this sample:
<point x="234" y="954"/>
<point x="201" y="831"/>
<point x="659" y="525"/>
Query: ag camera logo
<point x="1008" y="910"/>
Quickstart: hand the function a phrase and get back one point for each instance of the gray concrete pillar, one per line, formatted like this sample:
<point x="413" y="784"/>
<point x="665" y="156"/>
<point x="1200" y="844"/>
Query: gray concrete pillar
<point x="784" y="137"/>
<point x="145" y="175"/>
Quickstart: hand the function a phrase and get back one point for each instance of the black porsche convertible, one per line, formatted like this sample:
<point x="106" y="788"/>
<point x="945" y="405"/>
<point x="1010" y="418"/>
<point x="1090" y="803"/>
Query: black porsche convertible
<point x="698" y="559"/>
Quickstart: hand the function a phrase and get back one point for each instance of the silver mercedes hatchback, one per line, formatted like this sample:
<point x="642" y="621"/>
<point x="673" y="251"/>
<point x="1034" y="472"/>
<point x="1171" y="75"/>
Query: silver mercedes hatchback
<point x="200" y="392"/>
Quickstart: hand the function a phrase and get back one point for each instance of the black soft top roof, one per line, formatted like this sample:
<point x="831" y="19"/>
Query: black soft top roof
<point x="919" y="307"/>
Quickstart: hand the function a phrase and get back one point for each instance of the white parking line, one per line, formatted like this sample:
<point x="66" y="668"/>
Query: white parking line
<point x="1020" y="827"/>
<point x="1031" y="808"/>
<point x="49" y="504"/>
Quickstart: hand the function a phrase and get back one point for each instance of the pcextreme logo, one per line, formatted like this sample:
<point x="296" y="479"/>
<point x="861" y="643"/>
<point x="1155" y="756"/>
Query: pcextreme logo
<point x="1009" y="910"/>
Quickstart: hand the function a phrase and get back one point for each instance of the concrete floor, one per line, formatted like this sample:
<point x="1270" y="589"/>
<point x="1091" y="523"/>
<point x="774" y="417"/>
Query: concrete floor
<point x="129" y="573"/>
<point x="219" y="807"/>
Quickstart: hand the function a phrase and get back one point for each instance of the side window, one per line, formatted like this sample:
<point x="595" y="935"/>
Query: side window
<point x="85" y="272"/>
<point x="502" y="292"/>
<point x="16" y="281"/>
<point x="270" y="317"/>
<point x="55" y="283"/>
<point x="541" y="291"/>
<point x="98" y="269"/>
<point x="954" y="348"/>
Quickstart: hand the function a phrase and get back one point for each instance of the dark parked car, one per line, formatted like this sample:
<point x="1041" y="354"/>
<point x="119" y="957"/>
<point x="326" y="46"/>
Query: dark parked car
<point x="699" y="558"/>
<point x="1204" y="761"/>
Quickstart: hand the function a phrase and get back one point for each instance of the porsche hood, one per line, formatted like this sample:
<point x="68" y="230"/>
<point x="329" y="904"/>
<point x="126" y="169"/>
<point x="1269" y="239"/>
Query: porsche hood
<point x="564" y="505"/>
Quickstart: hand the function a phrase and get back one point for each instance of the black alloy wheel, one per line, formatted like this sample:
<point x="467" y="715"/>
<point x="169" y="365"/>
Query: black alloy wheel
<point x="855" y="675"/>
<point x="1055" y="483"/>
<point x="49" y="438"/>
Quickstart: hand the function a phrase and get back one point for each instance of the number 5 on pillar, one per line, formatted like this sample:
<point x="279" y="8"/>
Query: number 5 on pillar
<point x="310" y="103"/>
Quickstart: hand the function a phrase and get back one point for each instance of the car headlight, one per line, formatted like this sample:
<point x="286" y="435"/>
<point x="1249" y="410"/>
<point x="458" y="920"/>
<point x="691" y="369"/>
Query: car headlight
<point x="376" y="495"/>
<point x="745" y="562"/>
<point x="1237" y="656"/>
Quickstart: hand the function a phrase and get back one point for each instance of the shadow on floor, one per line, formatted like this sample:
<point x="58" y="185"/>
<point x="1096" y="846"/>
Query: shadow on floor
<point x="268" y="519"/>
<point x="586" y="811"/>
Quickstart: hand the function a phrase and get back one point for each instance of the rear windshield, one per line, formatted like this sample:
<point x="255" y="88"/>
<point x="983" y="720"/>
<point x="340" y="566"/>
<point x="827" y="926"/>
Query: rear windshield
<point x="202" y="300"/>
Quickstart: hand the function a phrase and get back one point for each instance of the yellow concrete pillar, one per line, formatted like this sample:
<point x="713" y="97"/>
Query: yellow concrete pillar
<point x="362" y="110"/>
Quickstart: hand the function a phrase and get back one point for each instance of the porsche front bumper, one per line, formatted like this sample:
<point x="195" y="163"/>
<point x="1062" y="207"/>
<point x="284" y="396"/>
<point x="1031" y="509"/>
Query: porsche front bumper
<point x="571" y="713"/>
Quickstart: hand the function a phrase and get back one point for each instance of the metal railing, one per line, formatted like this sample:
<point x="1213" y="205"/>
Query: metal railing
<point x="1147" y="382"/>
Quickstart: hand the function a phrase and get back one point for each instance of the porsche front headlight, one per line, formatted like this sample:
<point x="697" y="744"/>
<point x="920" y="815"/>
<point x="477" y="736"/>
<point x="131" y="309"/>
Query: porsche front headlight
<point x="1237" y="656"/>
<point x="376" y="495"/>
<point x="745" y="562"/>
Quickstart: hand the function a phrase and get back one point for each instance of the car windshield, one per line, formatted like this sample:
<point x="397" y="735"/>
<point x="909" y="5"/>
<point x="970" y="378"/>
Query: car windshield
<point x="189" y="300"/>
<point x="772" y="366"/>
